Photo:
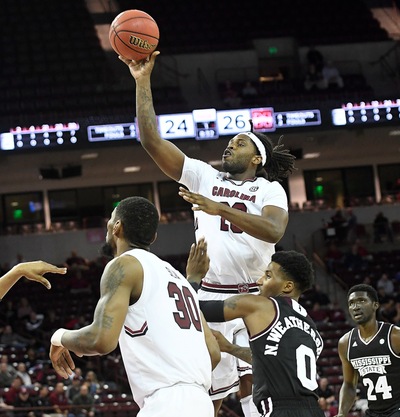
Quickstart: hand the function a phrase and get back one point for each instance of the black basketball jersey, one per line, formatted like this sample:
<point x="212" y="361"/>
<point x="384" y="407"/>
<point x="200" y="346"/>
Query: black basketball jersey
<point x="378" y="367"/>
<point x="285" y="356"/>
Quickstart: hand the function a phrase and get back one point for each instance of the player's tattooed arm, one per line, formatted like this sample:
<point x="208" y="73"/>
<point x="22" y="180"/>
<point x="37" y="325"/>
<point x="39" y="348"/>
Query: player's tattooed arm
<point x="101" y="336"/>
<point x="241" y="352"/>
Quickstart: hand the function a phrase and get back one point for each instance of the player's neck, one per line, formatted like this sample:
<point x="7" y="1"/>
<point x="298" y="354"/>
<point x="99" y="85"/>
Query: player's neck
<point x="368" y="330"/>
<point x="245" y="176"/>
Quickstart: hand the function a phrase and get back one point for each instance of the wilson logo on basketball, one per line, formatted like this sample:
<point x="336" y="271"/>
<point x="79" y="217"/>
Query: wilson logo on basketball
<point x="141" y="43"/>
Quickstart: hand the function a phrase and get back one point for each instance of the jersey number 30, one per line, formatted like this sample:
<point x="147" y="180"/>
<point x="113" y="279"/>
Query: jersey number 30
<point x="188" y="313"/>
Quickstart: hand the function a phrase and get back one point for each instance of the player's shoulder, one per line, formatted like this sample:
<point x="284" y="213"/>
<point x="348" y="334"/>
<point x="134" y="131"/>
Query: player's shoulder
<point x="192" y="163"/>
<point x="344" y="339"/>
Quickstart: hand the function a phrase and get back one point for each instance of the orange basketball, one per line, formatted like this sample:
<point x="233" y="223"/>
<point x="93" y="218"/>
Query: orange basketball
<point x="134" y="34"/>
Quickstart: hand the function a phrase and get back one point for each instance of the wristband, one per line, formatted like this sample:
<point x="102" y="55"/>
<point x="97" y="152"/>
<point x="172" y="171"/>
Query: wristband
<point x="57" y="336"/>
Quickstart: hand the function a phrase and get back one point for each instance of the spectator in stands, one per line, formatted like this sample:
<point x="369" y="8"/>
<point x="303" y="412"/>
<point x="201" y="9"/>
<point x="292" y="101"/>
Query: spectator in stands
<point x="326" y="395"/>
<point x="313" y="79"/>
<point x="382" y="228"/>
<point x="24" y="400"/>
<point x="386" y="284"/>
<point x="353" y="261"/>
<point x="51" y="322"/>
<point x="83" y="403"/>
<point x="316" y="295"/>
<point x="24" y="308"/>
<point x="331" y="76"/>
<point x="43" y="401"/>
<point x="318" y="314"/>
<point x="333" y="257"/>
<point x="339" y="223"/>
<point x="75" y="261"/>
<point x="351" y="226"/>
<point x="46" y="375"/>
<point x="9" y="312"/>
<point x="92" y="382"/>
<point x="230" y="95"/>
<point x="365" y="254"/>
<point x="249" y="91"/>
<point x="387" y="308"/>
<point x="24" y="375"/>
<point x="59" y="400"/>
<point x="74" y="388"/>
<point x="6" y="377"/>
<point x="10" y="395"/>
<point x="315" y="58"/>
<point x="10" y="338"/>
<point x="78" y="283"/>
<point x="33" y="323"/>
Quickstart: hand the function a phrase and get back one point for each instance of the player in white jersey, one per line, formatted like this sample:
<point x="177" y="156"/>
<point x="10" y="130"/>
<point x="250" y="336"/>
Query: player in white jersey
<point x="244" y="222"/>
<point x="152" y="311"/>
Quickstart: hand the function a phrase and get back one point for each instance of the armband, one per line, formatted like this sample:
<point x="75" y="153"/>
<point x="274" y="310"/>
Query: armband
<point x="57" y="336"/>
<point x="213" y="311"/>
<point x="195" y="285"/>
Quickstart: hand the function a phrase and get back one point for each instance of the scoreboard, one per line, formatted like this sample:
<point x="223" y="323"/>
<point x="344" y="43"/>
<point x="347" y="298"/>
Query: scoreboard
<point x="200" y="124"/>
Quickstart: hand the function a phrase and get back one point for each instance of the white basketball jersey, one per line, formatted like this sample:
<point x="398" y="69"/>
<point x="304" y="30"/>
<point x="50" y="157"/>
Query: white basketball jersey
<point x="162" y="341"/>
<point x="235" y="256"/>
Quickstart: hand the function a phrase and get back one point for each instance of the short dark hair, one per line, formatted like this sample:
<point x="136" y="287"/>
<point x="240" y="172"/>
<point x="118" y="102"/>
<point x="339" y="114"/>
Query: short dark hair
<point x="139" y="218"/>
<point x="371" y="291"/>
<point x="296" y="266"/>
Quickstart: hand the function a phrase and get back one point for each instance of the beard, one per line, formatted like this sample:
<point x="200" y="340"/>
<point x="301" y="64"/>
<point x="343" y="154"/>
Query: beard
<point x="107" y="250"/>
<point x="233" y="167"/>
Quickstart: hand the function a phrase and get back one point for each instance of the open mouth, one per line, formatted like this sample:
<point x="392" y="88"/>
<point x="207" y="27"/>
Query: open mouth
<point x="227" y="154"/>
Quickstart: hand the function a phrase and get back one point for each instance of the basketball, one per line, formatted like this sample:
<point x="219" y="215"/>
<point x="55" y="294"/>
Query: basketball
<point x="134" y="34"/>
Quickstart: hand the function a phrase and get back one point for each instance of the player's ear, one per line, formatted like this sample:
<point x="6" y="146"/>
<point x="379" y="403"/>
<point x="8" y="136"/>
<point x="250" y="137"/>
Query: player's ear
<point x="117" y="228"/>
<point x="288" y="287"/>
<point x="257" y="159"/>
<point x="154" y="238"/>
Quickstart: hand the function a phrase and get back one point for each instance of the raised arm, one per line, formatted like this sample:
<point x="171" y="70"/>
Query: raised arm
<point x="165" y="154"/>
<point x="121" y="281"/>
<point x="33" y="271"/>
<point x="269" y="227"/>
<point x="348" y="389"/>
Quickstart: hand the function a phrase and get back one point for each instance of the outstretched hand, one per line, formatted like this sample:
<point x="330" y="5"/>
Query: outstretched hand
<point x="141" y="68"/>
<point x="198" y="261"/>
<point x="200" y="203"/>
<point x="35" y="270"/>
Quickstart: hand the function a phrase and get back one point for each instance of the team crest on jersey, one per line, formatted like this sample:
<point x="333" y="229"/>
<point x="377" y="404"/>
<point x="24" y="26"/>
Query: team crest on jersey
<point x="253" y="189"/>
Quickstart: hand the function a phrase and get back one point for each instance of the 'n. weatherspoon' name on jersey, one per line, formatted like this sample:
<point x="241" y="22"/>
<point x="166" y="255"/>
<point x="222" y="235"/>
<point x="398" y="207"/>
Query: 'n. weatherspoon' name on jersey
<point x="281" y="327"/>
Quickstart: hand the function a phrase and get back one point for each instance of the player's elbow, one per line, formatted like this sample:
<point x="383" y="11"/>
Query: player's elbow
<point x="215" y="357"/>
<point x="104" y="346"/>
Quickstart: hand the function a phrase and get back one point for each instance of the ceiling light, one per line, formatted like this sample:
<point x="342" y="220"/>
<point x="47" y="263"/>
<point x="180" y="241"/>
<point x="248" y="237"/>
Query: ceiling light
<point x="132" y="169"/>
<point x="93" y="155"/>
<point x="311" y="155"/>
